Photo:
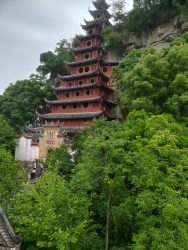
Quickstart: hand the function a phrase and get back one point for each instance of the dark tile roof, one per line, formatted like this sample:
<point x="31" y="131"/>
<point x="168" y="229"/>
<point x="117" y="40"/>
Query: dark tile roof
<point x="73" y="100"/>
<point x="83" y="75"/>
<point x="83" y="86"/>
<point x="87" y="37"/>
<point x="84" y="62"/>
<point x="99" y="22"/>
<point x="84" y="50"/>
<point x="59" y="116"/>
<point x="8" y="239"/>
<point x="101" y="12"/>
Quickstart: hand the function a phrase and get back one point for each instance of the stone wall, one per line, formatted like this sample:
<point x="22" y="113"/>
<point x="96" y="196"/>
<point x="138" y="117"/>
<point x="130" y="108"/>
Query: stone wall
<point x="159" y="37"/>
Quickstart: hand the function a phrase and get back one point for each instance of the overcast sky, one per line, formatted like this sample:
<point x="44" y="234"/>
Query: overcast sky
<point x="30" y="27"/>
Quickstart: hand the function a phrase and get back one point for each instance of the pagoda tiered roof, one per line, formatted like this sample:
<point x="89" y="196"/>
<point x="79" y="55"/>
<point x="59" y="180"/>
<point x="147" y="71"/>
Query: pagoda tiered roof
<point x="84" y="62"/>
<point x="58" y="116"/>
<point x="91" y="44"/>
<point x="82" y="76"/>
<point x="84" y="50"/>
<point x="87" y="37"/>
<point x="90" y="24"/>
<point x="109" y="62"/>
<point x="97" y="21"/>
<point x="94" y="13"/>
<point x="83" y="86"/>
<point x="83" y="100"/>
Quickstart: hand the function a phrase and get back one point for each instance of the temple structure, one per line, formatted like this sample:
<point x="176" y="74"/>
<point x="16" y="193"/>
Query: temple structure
<point x="85" y="94"/>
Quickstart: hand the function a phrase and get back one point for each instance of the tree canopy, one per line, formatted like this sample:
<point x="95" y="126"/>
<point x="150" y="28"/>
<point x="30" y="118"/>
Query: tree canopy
<point x="49" y="215"/>
<point x="20" y="100"/>
<point x="128" y="189"/>
<point x="11" y="177"/>
<point x="7" y="135"/>
<point x="52" y="63"/>
<point x="155" y="81"/>
<point x="59" y="161"/>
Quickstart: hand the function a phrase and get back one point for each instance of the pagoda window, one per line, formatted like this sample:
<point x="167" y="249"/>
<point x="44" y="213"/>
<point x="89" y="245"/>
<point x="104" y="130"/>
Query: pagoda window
<point x="67" y="95"/>
<point x="86" y="69"/>
<point x="70" y="84"/>
<point x="85" y="105"/>
<point x="81" y="70"/>
<point x="74" y="106"/>
<point x="90" y="32"/>
<point x="77" y="93"/>
<point x="88" y="43"/>
<point x="105" y="69"/>
<point x="64" y="106"/>
<point x="87" y="56"/>
<point x="92" y="80"/>
<point x="80" y="82"/>
<point x="88" y="92"/>
<point x="99" y="16"/>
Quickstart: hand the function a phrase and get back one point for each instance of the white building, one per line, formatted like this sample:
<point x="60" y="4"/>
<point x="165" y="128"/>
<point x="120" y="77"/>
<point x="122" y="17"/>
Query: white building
<point x="27" y="149"/>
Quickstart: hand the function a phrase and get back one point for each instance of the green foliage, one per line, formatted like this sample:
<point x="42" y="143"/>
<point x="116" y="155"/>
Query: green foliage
<point x="59" y="161"/>
<point x="118" y="10"/>
<point x="145" y="16"/>
<point x="7" y="135"/>
<point x="20" y="100"/>
<point x="155" y="81"/>
<point x="50" y="214"/>
<point x="182" y="6"/>
<point x="53" y="63"/>
<point x="144" y="162"/>
<point x="135" y="171"/>
<point x="113" y="40"/>
<point x="11" y="177"/>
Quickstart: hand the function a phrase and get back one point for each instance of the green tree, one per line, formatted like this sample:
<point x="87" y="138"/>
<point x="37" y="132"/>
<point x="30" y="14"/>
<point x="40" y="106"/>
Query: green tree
<point x="155" y="81"/>
<point x="60" y="161"/>
<point x="158" y="173"/>
<point x="118" y="10"/>
<point x="53" y="63"/>
<point x="7" y="135"/>
<point x="128" y="168"/>
<point x="11" y="177"/>
<point x="50" y="214"/>
<point x="20" y="100"/>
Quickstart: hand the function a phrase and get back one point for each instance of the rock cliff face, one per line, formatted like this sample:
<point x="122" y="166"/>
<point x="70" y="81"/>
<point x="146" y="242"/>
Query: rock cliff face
<point x="159" y="37"/>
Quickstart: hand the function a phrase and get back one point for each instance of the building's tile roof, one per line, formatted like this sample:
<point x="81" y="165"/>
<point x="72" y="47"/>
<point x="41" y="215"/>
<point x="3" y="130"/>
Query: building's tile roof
<point x="8" y="239"/>
<point x="83" y="100"/>
<point x="84" y="62"/>
<point x="70" y="115"/>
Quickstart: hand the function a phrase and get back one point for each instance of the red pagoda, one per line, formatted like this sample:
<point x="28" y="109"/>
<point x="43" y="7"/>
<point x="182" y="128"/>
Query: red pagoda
<point x="84" y="94"/>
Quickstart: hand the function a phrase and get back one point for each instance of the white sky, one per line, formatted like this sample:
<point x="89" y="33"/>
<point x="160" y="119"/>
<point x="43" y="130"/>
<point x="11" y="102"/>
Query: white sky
<point x="31" y="27"/>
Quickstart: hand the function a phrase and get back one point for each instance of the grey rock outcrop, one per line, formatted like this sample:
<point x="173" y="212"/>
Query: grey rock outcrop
<point x="159" y="37"/>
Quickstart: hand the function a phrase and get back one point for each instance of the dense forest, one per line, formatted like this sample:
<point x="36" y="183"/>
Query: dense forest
<point x="125" y="183"/>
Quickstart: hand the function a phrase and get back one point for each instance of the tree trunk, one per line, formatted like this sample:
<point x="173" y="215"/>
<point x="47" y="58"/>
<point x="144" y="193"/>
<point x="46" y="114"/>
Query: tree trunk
<point x="108" y="218"/>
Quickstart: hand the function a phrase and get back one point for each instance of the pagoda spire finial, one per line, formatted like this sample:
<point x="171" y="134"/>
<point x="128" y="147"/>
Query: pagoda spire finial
<point x="100" y="4"/>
